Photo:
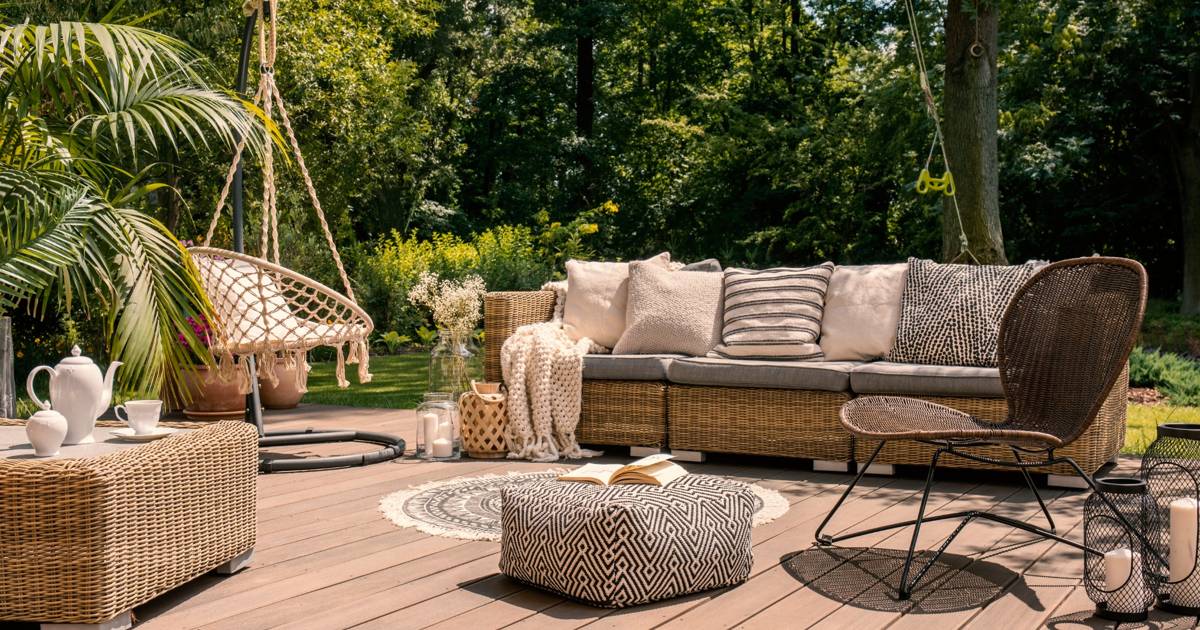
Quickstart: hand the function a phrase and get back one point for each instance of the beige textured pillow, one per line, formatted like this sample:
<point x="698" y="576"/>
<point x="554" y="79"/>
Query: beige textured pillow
<point x="862" y="309"/>
<point x="598" y="293"/>
<point x="671" y="312"/>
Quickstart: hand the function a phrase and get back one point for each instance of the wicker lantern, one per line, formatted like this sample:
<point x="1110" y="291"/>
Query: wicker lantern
<point x="437" y="427"/>
<point x="484" y="411"/>
<point x="1171" y="470"/>
<point x="1119" y="571"/>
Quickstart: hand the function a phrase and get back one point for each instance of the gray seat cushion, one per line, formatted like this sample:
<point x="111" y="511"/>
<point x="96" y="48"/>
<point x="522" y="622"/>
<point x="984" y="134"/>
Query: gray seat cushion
<point x="829" y="376"/>
<point x="626" y="367"/>
<point x="926" y="380"/>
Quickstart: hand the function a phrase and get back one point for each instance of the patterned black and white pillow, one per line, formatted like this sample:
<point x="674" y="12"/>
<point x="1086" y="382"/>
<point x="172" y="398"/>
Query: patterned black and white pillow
<point x="950" y="314"/>
<point x="773" y="314"/>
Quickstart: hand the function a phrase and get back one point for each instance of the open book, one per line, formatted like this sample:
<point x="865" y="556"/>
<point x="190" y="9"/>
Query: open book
<point x="654" y="470"/>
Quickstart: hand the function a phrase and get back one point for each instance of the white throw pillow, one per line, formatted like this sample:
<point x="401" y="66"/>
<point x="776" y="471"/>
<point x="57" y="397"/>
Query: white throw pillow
<point x="671" y="312"/>
<point x="862" y="309"/>
<point x="599" y="292"/>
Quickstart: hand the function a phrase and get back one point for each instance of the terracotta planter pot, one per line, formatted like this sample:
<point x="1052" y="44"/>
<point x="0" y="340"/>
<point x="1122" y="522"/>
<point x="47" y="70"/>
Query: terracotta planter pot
<point x="285" y="394"/>
<point x="212" y="399"/>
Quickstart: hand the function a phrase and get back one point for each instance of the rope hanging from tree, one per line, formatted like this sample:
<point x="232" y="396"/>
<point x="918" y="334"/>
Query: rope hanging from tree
<point x="263" y="309"/>
<point x="926" y="182"/>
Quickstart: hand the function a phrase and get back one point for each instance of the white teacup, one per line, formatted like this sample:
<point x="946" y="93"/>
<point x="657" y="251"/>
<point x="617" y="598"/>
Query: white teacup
<point x="140" y="415"/>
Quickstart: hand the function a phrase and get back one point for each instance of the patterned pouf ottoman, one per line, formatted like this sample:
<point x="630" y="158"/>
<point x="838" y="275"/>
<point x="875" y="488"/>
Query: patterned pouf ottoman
<point x="625" y="545"/>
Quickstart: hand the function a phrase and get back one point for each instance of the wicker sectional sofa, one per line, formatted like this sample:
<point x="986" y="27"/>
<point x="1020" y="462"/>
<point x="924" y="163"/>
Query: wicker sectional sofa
<point x="780" y="409"/>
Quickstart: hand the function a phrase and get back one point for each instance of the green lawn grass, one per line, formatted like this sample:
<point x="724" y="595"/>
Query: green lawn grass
<point x="398" y="383"/>
<point x="1140" y="428"/>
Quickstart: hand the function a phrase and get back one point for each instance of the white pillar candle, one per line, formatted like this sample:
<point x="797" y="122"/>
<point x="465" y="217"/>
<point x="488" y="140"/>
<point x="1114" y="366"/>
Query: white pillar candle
<point x="442" y="448"/>
<point x="429" y="426"/>
<point x="1185" y="588"/>
<point x="1123" y="581"/>
<point x="446" y="430"/>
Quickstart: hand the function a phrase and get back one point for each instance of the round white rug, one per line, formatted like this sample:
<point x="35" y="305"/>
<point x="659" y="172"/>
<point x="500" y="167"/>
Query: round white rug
<point x="469" y="507"/>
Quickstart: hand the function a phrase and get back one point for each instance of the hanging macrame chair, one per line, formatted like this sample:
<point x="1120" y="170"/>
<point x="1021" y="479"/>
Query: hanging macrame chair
<point x="266" y="313"/>
<point x="264" y="310"/>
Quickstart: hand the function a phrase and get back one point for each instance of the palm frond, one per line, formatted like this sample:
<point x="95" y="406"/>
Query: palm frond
<point x="118" y="91"/>
<point x="58" y="233"/>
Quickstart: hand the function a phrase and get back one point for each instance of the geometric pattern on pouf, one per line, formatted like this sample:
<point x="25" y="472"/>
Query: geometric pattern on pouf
<point x="625" y="545"/>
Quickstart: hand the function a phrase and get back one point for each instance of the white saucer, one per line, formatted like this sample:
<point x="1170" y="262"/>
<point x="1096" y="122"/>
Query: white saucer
<point x="128" y="434"/>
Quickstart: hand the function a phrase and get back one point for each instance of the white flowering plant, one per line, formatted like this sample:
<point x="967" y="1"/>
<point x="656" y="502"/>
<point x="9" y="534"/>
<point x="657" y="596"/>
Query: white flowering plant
<point x="456" y="305"/>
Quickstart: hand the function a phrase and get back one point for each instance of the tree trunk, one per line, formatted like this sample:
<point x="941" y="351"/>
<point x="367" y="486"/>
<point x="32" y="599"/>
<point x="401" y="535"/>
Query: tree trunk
<point x="1185" y="153"/>
<point x="970" y="124"/>
<point x="585" y="84"/>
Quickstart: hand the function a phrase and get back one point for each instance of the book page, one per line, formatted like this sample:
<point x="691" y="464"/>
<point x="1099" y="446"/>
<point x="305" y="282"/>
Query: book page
<point x="592" y="473"/>
<point x="645" y="462"/>
<point x="659" y="474"/>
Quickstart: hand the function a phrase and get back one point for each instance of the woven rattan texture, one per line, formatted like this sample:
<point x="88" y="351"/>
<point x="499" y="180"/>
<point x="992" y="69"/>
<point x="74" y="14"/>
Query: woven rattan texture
<point x="1099" y="444"/>
<point x="1064" y="342"/>
<point x="483" y="423"/>
<point x="751" y="421"/>
<point x="503" y="313"/>
<point x="82" y="540"/>
<point x="625" y="413"/>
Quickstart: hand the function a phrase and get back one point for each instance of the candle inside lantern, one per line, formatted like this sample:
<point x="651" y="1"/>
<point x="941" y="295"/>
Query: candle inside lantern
<point x="1123" y="581"/>
<point x="441" y="448"/>
<point x="1183" y="575"/>
<point x="429" y="426"/>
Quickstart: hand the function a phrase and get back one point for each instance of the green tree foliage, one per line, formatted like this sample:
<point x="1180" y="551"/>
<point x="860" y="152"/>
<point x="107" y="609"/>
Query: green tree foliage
<point x="757" y="131"/>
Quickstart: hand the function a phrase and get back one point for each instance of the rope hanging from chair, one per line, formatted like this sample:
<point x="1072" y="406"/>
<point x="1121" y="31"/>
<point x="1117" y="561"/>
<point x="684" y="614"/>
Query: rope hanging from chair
<point x="267" y="97"/>
<point x="314" y="315"/>
<point x="926" y="182"/>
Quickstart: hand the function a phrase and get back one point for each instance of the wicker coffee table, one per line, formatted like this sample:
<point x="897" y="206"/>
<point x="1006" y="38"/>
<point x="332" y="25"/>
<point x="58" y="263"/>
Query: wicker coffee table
<point x="102" y="528"/>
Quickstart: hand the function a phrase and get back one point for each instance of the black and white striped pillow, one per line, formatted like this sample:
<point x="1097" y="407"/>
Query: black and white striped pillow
<point x="773" y="314"/>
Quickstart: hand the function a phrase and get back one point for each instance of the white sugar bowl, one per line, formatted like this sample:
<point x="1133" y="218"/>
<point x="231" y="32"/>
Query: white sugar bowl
<point x="46" y="431"/>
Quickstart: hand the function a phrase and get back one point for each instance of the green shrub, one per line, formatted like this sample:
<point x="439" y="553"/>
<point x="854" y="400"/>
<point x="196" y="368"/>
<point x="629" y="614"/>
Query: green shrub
<point x="1167" y="329"/>
<point x="506" y="257"/>
<point x="1175" y="376"/>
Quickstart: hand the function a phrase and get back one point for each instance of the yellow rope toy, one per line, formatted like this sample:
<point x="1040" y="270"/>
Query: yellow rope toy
<point x="926" y="182"/>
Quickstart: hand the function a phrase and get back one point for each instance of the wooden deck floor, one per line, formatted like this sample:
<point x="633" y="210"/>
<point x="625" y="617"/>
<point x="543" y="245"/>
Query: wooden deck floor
<point x="326" y="558"/>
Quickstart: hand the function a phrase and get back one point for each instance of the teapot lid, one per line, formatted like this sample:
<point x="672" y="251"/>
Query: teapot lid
<point x="76" y="358"/>
<point x="46" y="414"/>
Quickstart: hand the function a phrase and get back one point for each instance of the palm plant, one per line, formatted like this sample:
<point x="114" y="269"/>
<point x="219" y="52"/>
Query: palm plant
<point x="86" y="112"/>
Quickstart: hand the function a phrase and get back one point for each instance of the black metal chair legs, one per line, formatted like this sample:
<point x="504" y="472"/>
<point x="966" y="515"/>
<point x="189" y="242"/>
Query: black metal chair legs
<point x="907" y="585"/>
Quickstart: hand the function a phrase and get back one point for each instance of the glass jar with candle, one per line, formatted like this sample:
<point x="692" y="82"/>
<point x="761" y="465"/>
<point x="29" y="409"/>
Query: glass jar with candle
<point x="1120" y="571"/>
<point x="437" y="427"/>
<point x="1171" y="470"/>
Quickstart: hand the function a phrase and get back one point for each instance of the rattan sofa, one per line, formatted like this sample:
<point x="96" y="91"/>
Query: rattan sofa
<point x="673" y="402"/>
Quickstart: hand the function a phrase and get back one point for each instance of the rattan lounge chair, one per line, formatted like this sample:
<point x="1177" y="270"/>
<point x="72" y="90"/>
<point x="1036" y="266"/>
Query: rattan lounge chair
<point x="1064" y="341"/>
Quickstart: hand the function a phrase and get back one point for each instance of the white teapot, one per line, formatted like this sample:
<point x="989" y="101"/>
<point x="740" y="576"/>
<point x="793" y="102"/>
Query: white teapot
<point x="78" y="391"/>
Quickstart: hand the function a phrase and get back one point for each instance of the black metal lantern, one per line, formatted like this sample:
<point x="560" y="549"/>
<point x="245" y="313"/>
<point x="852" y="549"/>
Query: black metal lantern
<point x="1120" y="572"/>
<point x="1171" y="470"/>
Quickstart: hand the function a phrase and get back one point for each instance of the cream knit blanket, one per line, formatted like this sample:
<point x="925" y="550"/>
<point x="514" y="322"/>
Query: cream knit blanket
<point x="543" y="368"/>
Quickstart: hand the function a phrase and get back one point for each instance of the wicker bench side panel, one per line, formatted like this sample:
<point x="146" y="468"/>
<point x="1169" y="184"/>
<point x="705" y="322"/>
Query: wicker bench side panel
<point x="1100" y="443"/>
<point x="503" y="313"/>
<point x="113" y="532"/>
<point x="623" y="413"/>
<point x="52" y="542"/>
<point x="754" y="421"/>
